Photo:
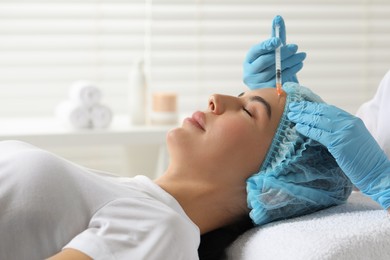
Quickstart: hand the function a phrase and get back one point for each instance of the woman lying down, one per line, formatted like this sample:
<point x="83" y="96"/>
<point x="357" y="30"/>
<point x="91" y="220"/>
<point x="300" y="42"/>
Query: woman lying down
<point x="245" y="157"/>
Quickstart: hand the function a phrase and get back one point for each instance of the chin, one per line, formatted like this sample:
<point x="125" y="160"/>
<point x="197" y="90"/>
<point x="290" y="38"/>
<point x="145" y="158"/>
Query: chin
<point x="173" y="136"/>
<point x="177" y="141"/>
<point x="181" y="144"/>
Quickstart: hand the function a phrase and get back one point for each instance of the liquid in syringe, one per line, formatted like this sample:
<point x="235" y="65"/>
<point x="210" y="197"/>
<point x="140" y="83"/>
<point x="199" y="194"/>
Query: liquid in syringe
<point x="278" y="64"/>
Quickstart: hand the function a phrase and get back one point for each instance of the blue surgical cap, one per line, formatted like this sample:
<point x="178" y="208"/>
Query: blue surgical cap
<point x="298" y="175"/>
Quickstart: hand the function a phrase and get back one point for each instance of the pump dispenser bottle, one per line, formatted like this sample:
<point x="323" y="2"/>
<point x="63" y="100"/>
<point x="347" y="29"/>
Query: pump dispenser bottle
<point x="137" y="94"/>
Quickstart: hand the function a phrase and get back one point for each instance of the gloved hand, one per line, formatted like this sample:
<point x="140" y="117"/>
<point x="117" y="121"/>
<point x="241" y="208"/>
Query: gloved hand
<point x="259" y="64"/>
<point x="348" y="140"/>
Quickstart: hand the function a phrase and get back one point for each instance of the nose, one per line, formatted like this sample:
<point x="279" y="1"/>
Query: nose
<point x="217" y="104"/>
<point x="214" y="103"/>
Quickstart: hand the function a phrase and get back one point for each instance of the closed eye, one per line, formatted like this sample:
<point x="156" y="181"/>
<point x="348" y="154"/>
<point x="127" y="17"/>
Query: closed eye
<point x="260" y="100"/>
<point x="247" y="111"/>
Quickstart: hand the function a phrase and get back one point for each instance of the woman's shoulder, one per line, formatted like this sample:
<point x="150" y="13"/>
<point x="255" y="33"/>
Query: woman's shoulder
<point x="144" y="223"/>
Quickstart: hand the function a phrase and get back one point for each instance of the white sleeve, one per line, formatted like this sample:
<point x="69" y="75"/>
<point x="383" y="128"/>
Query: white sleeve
<point x="137" y="228"/>
<point x="375" y="114"/>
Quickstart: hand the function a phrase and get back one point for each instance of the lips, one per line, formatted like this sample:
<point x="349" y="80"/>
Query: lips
<point x="198" y="120"/>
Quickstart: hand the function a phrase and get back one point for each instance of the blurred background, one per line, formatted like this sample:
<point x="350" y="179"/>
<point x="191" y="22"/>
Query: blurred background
<point x="190" y="47"/>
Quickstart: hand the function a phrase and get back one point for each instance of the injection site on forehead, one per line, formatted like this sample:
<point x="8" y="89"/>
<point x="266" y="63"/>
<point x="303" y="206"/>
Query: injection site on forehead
<point x="261" y="100"/>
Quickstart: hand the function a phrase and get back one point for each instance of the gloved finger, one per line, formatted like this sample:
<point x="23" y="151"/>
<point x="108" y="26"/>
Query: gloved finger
<point x="319" y="122"/>
<point x="261" y="72"/>
<point x="292" y="71"/>
<point x="309" y="107"/>
<point x="268" y="60"/>
<point x="261" y="63"/>
<point x="289" y="75"/>
<point x="262" y="48"/>
<point x="318" y="135"/>
<point x="338" y="116"/>
<point x="259" y="80"/>
<point x="293" y="60"/>
<point x="267" y="76"/>
<point x="278" y="20"/>
<point x="288" y="51"/>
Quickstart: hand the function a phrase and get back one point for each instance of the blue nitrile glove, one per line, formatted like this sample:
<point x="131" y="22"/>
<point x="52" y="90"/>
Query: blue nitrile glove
<point x="348" y="140"/>
<point x="259" y="64"/>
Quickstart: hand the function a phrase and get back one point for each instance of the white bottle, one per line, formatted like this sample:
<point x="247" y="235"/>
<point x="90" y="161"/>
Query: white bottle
<point x="137" y="94"/>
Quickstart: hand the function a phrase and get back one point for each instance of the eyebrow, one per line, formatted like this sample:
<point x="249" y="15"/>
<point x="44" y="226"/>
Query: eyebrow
<point x="262" y="101"/>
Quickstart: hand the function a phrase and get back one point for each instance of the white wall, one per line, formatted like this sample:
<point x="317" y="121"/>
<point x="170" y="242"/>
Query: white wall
<point x="193" y="47"/>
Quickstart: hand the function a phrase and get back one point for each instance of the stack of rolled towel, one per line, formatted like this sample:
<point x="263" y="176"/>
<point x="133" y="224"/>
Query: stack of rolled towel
<point x="83" y="108"/>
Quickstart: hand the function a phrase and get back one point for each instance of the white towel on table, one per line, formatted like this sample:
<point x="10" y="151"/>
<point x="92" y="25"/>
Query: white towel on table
<point x="85" y="93"/>
<point x="358" y="230"/>
<point x="73" y="115"/>
<point x="376" y="114"/>
<point x="101" y="116"/>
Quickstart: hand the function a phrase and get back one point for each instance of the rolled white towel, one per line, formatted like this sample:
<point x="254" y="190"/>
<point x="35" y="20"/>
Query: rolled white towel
<point x="101" y="116"/>
<point x="73" y="114"/>
<point x="84" y="92"/>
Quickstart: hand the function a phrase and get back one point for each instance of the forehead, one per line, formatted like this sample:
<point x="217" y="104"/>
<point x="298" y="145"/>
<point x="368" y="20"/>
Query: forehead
<point x="269" y="94"/>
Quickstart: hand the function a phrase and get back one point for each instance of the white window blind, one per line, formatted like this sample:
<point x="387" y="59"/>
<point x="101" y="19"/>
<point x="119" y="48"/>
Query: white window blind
<point x="193" y="47"/>
<point x="47" y="45"/>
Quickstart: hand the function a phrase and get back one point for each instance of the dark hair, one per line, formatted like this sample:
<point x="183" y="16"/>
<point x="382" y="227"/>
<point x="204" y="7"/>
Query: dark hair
<point x="213" y="244"/>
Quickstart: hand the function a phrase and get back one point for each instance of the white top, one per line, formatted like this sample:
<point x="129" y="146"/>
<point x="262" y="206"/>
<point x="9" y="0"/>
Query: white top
<point x="48" y="203"/>
<point x="375" y="114"/>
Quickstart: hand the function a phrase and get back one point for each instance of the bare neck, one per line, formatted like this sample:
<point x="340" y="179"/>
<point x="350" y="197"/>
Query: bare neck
<point x="209" y="205"/>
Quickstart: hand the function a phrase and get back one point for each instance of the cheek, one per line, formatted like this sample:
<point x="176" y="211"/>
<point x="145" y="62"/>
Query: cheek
<point x="230" y="132"/>
<point x="240" y="144"/>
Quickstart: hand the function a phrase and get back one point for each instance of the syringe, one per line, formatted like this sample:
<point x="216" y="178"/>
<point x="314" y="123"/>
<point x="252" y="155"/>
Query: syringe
<point x="278" y="65"/>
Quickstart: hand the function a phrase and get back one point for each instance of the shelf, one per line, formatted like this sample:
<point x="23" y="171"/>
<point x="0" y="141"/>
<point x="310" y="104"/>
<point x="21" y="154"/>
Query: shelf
<point x="49" y="132"/>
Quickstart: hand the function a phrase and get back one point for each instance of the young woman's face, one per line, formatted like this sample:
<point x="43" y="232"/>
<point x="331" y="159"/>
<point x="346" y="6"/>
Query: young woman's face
<point x="232" y="135"/>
